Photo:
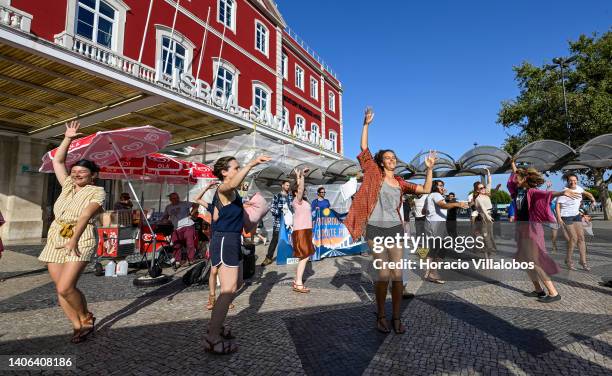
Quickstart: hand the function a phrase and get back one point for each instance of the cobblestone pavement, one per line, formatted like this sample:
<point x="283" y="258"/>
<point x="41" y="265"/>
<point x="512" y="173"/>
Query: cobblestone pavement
<point x="475" y="324"/>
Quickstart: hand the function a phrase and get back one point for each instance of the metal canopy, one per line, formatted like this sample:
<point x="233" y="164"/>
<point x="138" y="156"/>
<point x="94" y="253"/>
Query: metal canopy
<point x="597" y="153"/>
<point x="545" y="154"/>
<point x="491" y="157"/>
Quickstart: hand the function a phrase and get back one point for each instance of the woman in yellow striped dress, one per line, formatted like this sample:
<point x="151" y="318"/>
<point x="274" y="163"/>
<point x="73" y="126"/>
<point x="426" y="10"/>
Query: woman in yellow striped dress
<point x="71" y="240"/>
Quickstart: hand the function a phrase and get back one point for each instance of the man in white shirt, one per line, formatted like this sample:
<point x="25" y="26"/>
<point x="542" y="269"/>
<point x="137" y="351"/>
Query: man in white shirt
<point x="435" y="226"/>
<point x="179" y="213"/>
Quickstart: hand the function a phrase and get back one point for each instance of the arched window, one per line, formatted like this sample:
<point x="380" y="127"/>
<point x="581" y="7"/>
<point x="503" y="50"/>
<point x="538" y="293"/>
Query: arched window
<point x="314" y="88"/>
<point x="174" y="52"/>
<point x="299" y="77"/>
<point x="227" y="77"/>
<point x="173" y="56"/>
<point x="333" y="137"/>
<point x="300" y="124"/>
<point x="331" y="105"/>
<point x="261" y="97"/>
<point x="314" y="133"/>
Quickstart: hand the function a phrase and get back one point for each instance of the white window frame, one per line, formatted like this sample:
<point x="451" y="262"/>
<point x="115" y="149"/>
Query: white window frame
<point x="266" y="44"/>
<point x="285" y="66"/>
<point x="121" y="10"/>
<point x="165" y="31"/>
<point x="285" y="114"/>
<point x="221" y="63"/>
<point x="334" y="139"/>
<point x="315" y="132"/>
<point x="267" y="90"/>
<point x="232" y="27"/>
<point x="299" y="69"/>
<point x="314" y="88"/>
<point x="331" y="101"/>
<point x="297" y="122"/>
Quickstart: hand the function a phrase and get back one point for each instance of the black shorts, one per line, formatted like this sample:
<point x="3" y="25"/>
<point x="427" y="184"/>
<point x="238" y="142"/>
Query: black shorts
<point x="375" y="231"/>
<point x="225" y="248"/>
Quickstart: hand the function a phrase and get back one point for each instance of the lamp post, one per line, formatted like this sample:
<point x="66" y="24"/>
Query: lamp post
<point x="564" y="63"/>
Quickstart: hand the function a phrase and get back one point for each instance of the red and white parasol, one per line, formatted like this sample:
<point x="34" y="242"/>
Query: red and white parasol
<point x="105" y="148"/>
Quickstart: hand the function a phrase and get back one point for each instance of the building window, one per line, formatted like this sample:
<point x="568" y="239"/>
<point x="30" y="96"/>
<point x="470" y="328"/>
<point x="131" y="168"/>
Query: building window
<point x="314" y="133"/>
<point x="174" y="53"/>
<point x="331" y="105"/>
<point x="226" y="13"/>
<point x="173" y="56"/>
<point x="285" y="115"/>
<point x="333" y="137"/>
<point x="285" y="66"/>
<point x="299" y="77"/>
<point x="225" y="80"/>
<point x="95" y="21"/>
<point x="314" y="88"/>
<point x="261" y="38"/>
<point x="300" y="123"/>
<point x="261" y="97"/>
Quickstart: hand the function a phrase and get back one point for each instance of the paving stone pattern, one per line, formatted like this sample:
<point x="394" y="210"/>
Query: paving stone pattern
<point x="475" y="324"/>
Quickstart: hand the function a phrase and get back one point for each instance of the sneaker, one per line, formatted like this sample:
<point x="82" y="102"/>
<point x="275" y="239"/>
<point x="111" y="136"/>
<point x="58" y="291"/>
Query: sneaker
<point x="550" y="299"/>
<point x="535" y="294"/>
<point x="266" y="262"/>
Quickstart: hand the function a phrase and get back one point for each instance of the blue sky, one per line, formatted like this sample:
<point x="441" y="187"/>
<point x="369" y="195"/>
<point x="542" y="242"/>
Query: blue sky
<point x="436" y="72"/>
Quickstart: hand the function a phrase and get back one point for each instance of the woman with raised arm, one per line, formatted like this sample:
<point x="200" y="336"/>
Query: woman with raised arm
<point x="225" y="247"/>
<point x="375" y="212"/>
<point x="532" y="210"/>
<point x="567" y="211"/>
<point x="301" y="236"/>
<point x="71" y="240"/>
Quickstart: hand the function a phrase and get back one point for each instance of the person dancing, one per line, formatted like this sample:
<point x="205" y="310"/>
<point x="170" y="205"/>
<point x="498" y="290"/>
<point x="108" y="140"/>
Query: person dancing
<point x="532" y="210"/>
<point x="568" y="215"/>
<point x="71" y="240"/>
<point x="225" y="247"/>
<point x="301" y="236"/>
<point x="375" y="211"/>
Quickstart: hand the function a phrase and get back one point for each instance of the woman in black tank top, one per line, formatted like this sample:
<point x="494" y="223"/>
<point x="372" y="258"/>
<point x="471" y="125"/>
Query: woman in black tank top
<point x="225" y="246"/>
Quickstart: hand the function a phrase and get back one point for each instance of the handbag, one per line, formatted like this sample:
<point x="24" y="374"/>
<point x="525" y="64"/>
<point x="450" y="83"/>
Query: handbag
<point x="254" y="210"/>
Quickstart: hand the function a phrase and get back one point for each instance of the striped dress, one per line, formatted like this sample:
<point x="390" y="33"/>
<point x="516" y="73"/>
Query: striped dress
<point x="67" y="209"/>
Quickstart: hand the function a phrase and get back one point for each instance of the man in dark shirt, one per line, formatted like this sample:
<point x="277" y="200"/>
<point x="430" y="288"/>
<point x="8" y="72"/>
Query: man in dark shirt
<point x="451" y="216"/>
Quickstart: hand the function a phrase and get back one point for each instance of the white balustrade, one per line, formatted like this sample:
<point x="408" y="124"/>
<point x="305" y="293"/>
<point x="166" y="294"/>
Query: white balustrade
<point x="15" y="18"/>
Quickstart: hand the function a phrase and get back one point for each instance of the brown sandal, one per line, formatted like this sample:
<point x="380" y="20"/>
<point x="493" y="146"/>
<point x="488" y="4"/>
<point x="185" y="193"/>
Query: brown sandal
<point x="300" y="288"/>
<point x="88" y="326"/>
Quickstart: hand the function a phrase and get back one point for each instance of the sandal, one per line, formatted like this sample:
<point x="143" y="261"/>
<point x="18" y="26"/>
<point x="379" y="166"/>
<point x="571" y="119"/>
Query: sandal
<point x="226" y="332"/>
<point x="88" y="326"/>
<point x="570" y="265"/>
<point x="585" y="266"/>
<point x="400" y="328"/>
<point x="212" y="299"/>
<point x="227" y="346"/>
<point x="381" y="325"/>
<point x="300" y="288"/>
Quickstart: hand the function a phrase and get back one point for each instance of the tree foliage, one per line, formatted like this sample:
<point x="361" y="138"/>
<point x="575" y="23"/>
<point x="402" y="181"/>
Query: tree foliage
<point x="538" y="111"/>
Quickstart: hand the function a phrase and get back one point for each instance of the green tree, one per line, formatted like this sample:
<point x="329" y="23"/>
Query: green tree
<point x="538" y="111"/>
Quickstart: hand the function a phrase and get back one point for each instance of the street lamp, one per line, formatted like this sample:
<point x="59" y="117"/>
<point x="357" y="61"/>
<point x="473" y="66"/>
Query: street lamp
<point x="564" y="63"/>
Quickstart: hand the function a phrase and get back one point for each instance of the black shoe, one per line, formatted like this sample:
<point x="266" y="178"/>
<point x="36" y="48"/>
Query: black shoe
<point x="550" y="299"/>
<point x="535" y="294"/>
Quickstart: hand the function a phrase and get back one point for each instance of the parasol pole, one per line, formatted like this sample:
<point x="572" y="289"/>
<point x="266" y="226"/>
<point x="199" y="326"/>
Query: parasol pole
<point x="117" y="153"/>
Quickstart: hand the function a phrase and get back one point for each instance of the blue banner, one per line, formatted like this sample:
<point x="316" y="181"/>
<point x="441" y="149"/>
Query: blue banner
<point x="330" y="238"/>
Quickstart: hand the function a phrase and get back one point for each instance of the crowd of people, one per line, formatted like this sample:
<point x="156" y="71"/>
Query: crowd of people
<point x="381" y="207"/>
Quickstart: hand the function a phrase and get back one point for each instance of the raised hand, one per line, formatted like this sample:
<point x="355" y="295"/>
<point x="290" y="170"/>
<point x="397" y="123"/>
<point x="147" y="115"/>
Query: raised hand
<point x="431" y="159"/>
<point x="72" y="129"/>
<point x="260" y="159"/>
<point x="369" y="116"/>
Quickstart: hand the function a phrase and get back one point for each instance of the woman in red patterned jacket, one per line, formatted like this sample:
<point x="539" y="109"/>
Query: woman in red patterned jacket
<point x="375" y="210"/>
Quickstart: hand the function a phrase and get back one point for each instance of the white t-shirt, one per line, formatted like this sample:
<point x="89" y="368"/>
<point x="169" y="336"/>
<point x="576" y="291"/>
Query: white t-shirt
<point x="419" y="203"/>
<point x="570" y="207"/>
<point x="434" y="212"/>
<point x="180" y="214"/>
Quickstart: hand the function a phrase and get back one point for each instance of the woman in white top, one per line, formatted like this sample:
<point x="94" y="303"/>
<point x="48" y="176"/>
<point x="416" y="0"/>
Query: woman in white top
<point x="568" y="216"/>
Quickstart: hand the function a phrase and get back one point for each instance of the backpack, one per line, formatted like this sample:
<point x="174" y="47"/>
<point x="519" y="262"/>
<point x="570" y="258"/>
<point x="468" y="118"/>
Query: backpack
<point x="198" y="274"/>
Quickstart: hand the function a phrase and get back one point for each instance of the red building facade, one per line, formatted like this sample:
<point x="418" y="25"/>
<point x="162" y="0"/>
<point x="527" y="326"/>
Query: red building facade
<point x="234" y="54"/>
